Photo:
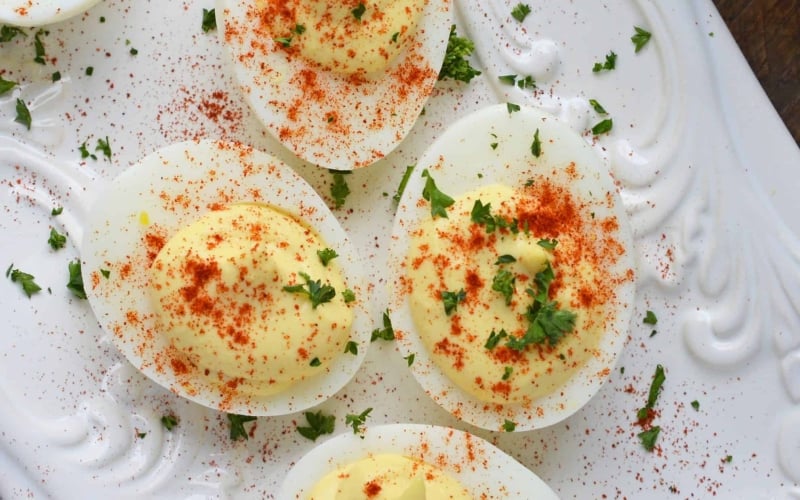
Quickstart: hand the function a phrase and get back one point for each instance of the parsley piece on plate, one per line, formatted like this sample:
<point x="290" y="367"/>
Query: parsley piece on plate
<point x="455" y="64"/>
<point x="318" y="424"/>
<point x="649" y="437"/>
<point x="409" y="359"/>
<point x="8" y="33"/>
<point x="696" y="405"/>
<point x="56" y="76"/>
<point x="521" y="11"/>
<point x="75" y="283"/>
<point x="451" y="300"/>
<point x="23" y="114"/>
<point x="603" y="127"/>
<point x="403" y="182"/>
<point x="650" y="318"/>
<point x="599" y="109"/>
<point x="326" y="255"/>
<point x="104" y="146"/>
<point x="6" y="85"/>
<point x="236" y="422"/>
<point x="314" y="289"/>
<point x="512" y="107"/>
<point x="339" y="188"/>
<point x="509" y="426"/>
<point x="439" y="200"/>
<point x="209" y="20"/>
<point x="351" y="347"/>
<point x="357" y="421"/>
<point x="385" y="333"/>
<point x="655" y="387"/>
<point x="536" y="145"/>
<point x="348" y="295"/>
<point x="56" y="211"/>
<point x="169" y="421"/>
<point x="640" y="38"/>
<point x="25" y="280"/>
<point x="38" y="47"/>
<point x="56" y="239"/>
<point x="85" y="152"/>
<point x="609" y="64"/>
<point x="508" y="79"/>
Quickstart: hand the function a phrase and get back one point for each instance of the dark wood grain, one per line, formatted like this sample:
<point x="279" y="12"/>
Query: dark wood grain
<point x="768" y="33"/>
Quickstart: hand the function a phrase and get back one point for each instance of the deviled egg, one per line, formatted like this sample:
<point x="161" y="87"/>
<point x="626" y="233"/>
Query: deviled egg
<point x="41" y="12"/>
<point x="410" y="461"/>
<point x="222" y="275"/>
<point x="514" y="271"/>
<point x="338" y="83"/>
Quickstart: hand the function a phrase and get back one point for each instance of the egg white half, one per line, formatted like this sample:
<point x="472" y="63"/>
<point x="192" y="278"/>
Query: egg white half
<point x="354" y="140"/>
<point x="170" y="189"/>
<point x="462" y="160"/>
<point x="483" y="469"/>
<point x="41" y="12"/>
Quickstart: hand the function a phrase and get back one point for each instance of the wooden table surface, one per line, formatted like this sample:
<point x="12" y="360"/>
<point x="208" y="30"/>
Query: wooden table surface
<point x="768" y="33"/>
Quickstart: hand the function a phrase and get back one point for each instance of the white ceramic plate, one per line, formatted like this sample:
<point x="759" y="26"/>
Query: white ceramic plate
<point x="41" y="12"/>
<point x="707" y="173"/>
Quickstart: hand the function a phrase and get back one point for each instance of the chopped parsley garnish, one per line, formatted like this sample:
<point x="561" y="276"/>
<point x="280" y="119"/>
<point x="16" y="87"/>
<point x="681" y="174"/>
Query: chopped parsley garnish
<point x="339" y="189"/>
<point x="23" y="114"/>
<point x="104" y="146"/>
<point x="451" y="300"/>
<point x="85" y="152"/>
<point x="315" y="362"/>
<point x="508" y="79"/>
<point x="314" y="289"/>
<point x="650" y="318"/>
<point x="8" y="33"/>
<point x="326" y="255"/>
<point x="655" y="387"/>
<point x="141" y="435"/>
<point x="56" y="239"/>
<point x="75" y="283"/>
<point x="526" y="83"/>
<point x="439" y="200"/>
<point x="286" y="41"/>
<point x="318" y="424"/>
<point x="38" y="47"/>
<point x="547" y="323"/>
<point x="609" y="64"/>
<point x="597" y="107"/>
<point x="482" y="215"/>
<point x="299" y="29"/>
<point x="536" y="145"/>
<point x="509" y="426"/>
<point x="236" y="422"/>
<point x="394" y="36"/>
<point x="56" y="211"/>
<point x="649" y="437"/>
<point x="385" y="333"/>
<point x="512" y="107"/>
<point x="169" y="421"/>
<point x="351" y="347"/>
<point x="106" y="273"/>
<point x="548" y="244"/>
<point x="728" y="459"/>
<point x="494" y="339"/>
<point x="603" y="127"/>
<point x="695" y="404"/>
<point x="348" y="296"/>
<point x="505" y="259"/>
<point x="403" y="182"/>
<point x="640" y="38"/>
<point x="503" y="282"/>
<point x="359" y="11"/>
<point x="455" y="64"/>
<point x="356" y="421"/>
<point x="134" y="51"/>
<point x="521" y="11"/>
<point x="24" y="279"/>
<point x="507" y="371"/>
<point x="209" y="20"/>
<point x="6" y="85"/>
<point x="409" y="359"/>
<point x="56" y="76"/>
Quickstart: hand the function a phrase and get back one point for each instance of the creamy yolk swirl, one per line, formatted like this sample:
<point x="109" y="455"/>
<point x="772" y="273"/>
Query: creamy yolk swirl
<point x="345" y="36"/>
<point x="388" y="477"/>
<point x="456" y="254"/>
<point x="217" y="287"/>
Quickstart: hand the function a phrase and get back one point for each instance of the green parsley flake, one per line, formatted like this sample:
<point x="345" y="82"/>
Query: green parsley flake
<point x="455" y="64"/>
<point x="650" y="318"/>
<point x="494" y="339"/>
<point x="403" y="182"/>
<point x="8" y="33"/>
<point x="169" y="421"/>
<point x="348" y="296"/>
<point x="25" y="280"/>
<point x="521" y="11"/>
<point x="385" y="333"/>
<point x="599" y="109"/>
<point x="508" y="79"/>
<point x="209" y="20"/>
<point x="548" y="244"/>
<point x="314" y="289"/>
<point x="351" y="347"/>
<point x="357" y="421"/>
<point x="339" y="188"/>
<point x="326" y="255"/>
<point x="89" y="70"/>
<point x="609" y="64"/>
<point x="409" y="359"/>
<point x="56" y="76"/>
<point x="451" y="300"/>
<point x="655" y="387"/>
<point x="509" y="426"/>
<point x="439" y="201"/>
<point x="39" y="47"/>
<point x="85" y="152"/>
<point x="505" y="259"/>
<point x="23" y="114"/>
<point x="75" y="283"/>
<point x="536" y="146"/>
<point x="640" y="38"/>
<point x="315" y="362"/>
<point x="318" y="424"/>
<point x="695" y="404"/>
<point x="56" y="211"/>
<point x="6" y="85"/>
<point x="649" y="437"/>
<point x="236" y="423"/>
<point x="56" y="239"/>
<point x="104" y="146"/>
<point x="512" y="107"/>
<point x="603" y="127"/>
<point x="106" y="273"/>
<point x="507" y="372"/>
<point x="358" y="12"/>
